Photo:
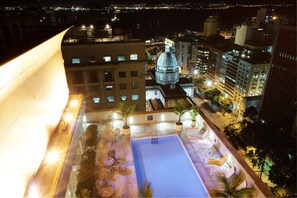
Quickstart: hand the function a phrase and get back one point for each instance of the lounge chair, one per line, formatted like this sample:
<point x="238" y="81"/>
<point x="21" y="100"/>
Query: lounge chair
<point x="200" y="134"/>
<point x="225" y="170"/>
<point x="218" y="162"/>
<point x="202" y="143"/>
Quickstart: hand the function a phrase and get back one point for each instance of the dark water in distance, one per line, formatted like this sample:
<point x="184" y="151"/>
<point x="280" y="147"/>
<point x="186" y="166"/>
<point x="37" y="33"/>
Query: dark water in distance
<point x="153" y="23"/>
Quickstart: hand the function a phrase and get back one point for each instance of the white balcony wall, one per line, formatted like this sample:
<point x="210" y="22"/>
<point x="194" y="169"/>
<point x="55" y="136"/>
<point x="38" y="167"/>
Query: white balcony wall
<point x="33" y="93"/>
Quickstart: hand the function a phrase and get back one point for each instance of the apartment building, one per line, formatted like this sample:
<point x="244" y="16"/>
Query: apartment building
<point x="242" y="71"/>
<point x="107" y="70"/>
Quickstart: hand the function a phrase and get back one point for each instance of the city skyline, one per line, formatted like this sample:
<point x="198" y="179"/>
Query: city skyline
<point x="107" y="2"/>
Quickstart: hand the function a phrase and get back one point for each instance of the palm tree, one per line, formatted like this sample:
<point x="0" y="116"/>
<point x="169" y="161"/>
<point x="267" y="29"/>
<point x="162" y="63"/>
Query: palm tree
<point x="194" y="112"/>
<point x="125" y="113"/>
<point x="179" y="109"/>
<point x="231" y="187"/>
<point x="147" y="190"/>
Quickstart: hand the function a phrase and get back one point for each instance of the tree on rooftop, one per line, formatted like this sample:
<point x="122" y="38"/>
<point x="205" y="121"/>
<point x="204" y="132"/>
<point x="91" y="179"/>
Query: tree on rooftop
<point x="126" y="112"/>
<point x="232" y="187"/>
<point x="180" y="109"/>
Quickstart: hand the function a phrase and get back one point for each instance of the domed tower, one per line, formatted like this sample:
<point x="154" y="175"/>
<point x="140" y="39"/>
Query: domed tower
<point x="167" y="68"/>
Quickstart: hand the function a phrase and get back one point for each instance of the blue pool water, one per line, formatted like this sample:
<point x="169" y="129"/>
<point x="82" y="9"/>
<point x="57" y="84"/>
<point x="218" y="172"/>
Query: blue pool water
<point x="168" y="167"/>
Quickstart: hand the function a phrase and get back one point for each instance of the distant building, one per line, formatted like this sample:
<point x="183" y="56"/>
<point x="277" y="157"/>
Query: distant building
<point x="210" y="26"/>
<point x="243" y="33"/>
<point x="279" y="102"/>
<point x="186" y="51"/>
<point x="264" y="15"/>
<point x="106" y="66"/>
<point x="242" y="71"/>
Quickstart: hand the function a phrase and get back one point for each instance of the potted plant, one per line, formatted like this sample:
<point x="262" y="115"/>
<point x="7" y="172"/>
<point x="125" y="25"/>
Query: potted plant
<point x="125" y="113"/>
<point x="233" y="187"/>
<point x="194" y="112"/>
<point x="179" y="109"/>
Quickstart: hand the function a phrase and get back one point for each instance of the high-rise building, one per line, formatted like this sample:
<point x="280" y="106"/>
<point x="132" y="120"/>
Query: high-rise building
<point x="242" y="71"/>
<point x="279" y="101"/>
<point x="186" y="51"/>
<point x="210" y="26"/>
<point x="106" y="66"/>
<point x="243" y="33"/>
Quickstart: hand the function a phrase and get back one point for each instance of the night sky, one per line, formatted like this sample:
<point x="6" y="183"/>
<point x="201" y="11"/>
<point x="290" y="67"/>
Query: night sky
<point x="108" y="2"/>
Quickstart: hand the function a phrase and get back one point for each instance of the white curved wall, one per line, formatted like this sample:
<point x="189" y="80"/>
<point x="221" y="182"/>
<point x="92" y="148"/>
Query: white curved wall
<point x="33" y="93"/>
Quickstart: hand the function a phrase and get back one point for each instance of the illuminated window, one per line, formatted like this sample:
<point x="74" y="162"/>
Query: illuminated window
<point x="122" y="74"/>
<point x="123" y="86"/>
<point x="96" y="100"/>
<point x="133" y="57"/>
<point x="109" y="87"/>
<point x="123" y="98"/>
<point x="107" y="58"/>
<point x="110" y="98"/>
<point x="75" y="60"/>
<point x="135" y="96"/>
<point x="134" y="73"/>
<point x="121" y="58"/>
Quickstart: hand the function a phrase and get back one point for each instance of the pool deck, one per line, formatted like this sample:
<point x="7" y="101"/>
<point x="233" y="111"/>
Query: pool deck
<point x="126" y="186"/>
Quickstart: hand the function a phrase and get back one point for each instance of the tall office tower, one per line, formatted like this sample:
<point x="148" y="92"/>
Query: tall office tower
<point x="106" y="66"/>
<point x="279" y="102"/>
<point x="210" y="26"/>
<point x="243" y="33"/>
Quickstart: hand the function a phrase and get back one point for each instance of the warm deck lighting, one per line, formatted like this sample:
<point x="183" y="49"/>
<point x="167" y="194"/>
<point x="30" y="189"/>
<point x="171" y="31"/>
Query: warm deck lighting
<point x="52" y="156"/>
<point x="33" y="193"/>
<point x="115" y="115"/>
<point x="68" y="117"/>
<point x="73" y="103"/>
<point x="209" y="83"/>
<point x="131" y="120"/>
<point x="162" y="117"/>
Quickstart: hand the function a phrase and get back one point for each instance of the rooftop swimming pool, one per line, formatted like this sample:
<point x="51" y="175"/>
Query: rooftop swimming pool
<point x="167" y="166"/>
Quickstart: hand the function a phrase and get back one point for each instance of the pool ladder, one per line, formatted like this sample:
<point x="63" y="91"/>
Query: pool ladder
<point x="154" y="138"/>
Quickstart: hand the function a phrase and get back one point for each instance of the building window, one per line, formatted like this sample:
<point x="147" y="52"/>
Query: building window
<point x="135" y="96"/>
<point x="109" y="87"/>
<point x="77" y="77"/>
<point x="94" y="88"/>
<point x="134" y="73"/>
<point x="122" y="74"/>
<point x="107" y="76"/>
<point x="107" y="58"/>
<point x="91" y="59"/>
<point x="75" y="60"/>
<point x="121" y="58"/>
<point x="123" y="86"/>
<point x="133" y="57"/>
<point x="110" y="98"/>
<point x="123" y="98"/>
<point x="134" y="85"/>
<point x="93" y="78"/>
<point x="96" y="100"/>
